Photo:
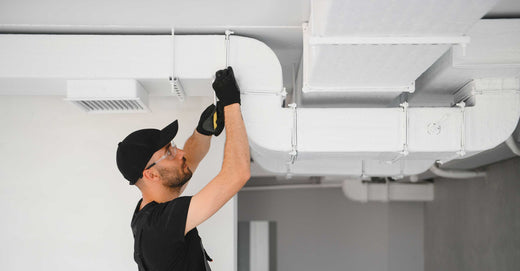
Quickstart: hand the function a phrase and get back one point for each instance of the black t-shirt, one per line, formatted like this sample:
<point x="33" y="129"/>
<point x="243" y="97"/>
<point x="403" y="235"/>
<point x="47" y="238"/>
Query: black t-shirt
<point x="159" y="241"/>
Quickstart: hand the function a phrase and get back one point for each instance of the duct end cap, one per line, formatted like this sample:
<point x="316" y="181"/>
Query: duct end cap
<point x="354" y="189"/>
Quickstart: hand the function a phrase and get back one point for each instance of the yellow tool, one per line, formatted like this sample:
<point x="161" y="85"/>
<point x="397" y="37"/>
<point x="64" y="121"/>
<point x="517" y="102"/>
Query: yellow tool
<point x="215" y="119"/>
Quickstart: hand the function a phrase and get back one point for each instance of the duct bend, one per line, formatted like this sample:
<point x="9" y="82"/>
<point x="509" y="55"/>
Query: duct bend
<point x="495" y="113"/>
<point x="347" y="141"/>
<point x="259" y="75"/>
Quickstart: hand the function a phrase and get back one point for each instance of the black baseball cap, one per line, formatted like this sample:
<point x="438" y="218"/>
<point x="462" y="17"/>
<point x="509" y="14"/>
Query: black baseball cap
<point x="134" y="152"/>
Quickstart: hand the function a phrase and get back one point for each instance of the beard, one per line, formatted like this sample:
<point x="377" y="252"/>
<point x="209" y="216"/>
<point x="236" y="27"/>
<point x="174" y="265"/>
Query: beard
<point x="175" y="178"/>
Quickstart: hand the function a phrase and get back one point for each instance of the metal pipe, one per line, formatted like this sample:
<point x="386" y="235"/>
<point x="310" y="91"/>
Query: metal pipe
<point x="456" y="174"/>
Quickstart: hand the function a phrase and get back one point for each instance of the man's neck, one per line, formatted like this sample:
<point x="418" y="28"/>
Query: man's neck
<point x="160" y="196"/>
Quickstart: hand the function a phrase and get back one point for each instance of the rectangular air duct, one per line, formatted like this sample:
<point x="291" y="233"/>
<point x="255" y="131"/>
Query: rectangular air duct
<point x="373" y="51"/>
<point x="108" y="96"/>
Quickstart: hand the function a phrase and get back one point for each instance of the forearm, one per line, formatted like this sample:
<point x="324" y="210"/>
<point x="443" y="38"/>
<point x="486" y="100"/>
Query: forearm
<point x="196" y="148"/>
<point x="236" y="151"/>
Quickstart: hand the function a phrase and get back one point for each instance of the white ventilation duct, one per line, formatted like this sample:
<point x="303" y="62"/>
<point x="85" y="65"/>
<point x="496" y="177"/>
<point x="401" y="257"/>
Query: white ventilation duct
<point x="381" y="53"/>
<point x="381" y="141"/>
<point x="306" y="141"/>
<point x="372" y="51"/>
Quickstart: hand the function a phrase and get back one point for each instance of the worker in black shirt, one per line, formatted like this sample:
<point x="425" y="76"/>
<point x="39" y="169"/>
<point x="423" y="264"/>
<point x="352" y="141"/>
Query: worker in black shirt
<point x="164" y="224"/>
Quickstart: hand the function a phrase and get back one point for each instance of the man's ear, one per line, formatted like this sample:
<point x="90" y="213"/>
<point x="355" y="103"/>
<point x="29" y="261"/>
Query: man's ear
<point x="149" y="174"/>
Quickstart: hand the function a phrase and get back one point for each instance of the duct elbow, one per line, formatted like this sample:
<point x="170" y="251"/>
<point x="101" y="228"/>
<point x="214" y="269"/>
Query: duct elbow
<point x="457" y="174"/>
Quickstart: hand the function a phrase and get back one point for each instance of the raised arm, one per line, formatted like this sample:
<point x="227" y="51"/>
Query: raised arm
<point x="235" y="170"/>
<point x="196" y="148"/>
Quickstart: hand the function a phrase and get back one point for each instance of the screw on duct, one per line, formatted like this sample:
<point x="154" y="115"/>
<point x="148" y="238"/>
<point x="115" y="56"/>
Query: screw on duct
<point x="433" y="128"/>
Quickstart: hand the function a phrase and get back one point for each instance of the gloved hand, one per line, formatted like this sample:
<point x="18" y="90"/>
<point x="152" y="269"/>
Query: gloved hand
<point x="212" y="120"/>
<point x="226" y="87"/>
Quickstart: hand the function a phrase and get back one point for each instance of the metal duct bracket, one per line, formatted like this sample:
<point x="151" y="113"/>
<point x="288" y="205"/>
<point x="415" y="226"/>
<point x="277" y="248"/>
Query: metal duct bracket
<point x="282" y="93"/>
<point x="363" y="175"/>
<point x="293" y="154"/>
<point x="462" y="151"/>
<point x="227" y="33"/>
<point x="177" y="89"/>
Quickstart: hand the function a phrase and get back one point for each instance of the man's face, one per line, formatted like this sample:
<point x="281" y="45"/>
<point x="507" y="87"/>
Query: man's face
<point x="175" y="176"/>
<point x="173" y="170"/>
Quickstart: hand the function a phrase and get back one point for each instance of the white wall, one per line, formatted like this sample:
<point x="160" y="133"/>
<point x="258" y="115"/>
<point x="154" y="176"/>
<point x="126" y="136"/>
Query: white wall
<point x="320" y="229"/>
<point x="65" y="206"/>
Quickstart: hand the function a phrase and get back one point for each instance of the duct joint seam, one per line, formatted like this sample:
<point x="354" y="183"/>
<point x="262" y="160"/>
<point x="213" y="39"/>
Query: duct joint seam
<point x="294" y="135"/>
<point x="404" y="134"/>
<point x="309" y="89"/>
<point x="282" y="92"/>
<point x="343" y="40"/>
<point x="406" y="125"/>
<point x="401" y="170"/>
<point x="484" y="92"/>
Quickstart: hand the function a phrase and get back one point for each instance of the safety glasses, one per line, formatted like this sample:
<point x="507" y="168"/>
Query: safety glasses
<point x="171" y="151"/>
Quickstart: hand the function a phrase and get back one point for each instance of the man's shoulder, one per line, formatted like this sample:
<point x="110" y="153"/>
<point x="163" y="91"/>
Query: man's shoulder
<point x="160" y="213"/>
<point x="174" y="204"/>
<point x="155" y="206"/>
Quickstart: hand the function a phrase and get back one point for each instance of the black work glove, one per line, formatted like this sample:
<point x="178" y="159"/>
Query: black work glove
<point x="226" y="87"/>
<point x="212" y="120"/>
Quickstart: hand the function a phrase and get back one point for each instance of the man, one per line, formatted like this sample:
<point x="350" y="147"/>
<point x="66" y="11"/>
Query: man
<point x="164" y="224"/>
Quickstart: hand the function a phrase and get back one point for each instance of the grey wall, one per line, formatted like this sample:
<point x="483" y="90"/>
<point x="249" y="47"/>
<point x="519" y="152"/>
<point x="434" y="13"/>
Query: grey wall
<point x="320" y="229"/>
<point x="474" y="224"/>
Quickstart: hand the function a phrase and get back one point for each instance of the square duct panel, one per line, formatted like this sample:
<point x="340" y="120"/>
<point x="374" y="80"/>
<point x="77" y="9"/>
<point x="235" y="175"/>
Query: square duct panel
<point x="108" y="96"/>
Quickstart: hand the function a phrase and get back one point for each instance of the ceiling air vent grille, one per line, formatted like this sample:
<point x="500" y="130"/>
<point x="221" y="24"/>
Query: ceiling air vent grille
<point x="108" y="96"/>
<point x="110" y="105"/>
